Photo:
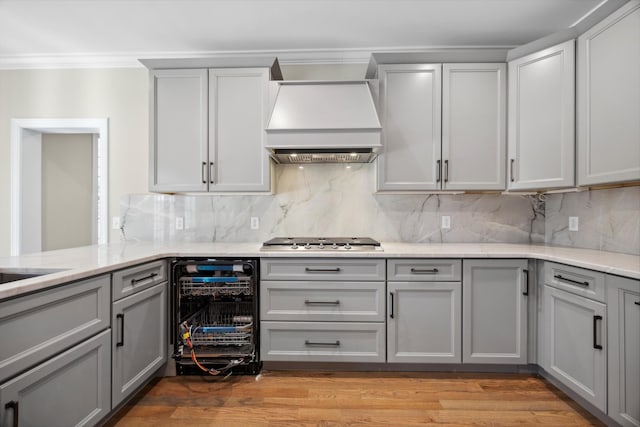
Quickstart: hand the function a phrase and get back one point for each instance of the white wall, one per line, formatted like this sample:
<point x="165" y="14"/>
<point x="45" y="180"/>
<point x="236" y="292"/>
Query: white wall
<point x="121" y="95"/>
<point x="67" y="190"/>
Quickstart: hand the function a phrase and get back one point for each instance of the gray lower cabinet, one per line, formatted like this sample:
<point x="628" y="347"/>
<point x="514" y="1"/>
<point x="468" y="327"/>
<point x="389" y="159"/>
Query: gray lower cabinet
<point x="139" y="341"/>
<point x="70" y="389"/>
<point x="494" y="311"/>
<point x="576" y="344"/>
<point x="424" y="322"/>
<point x="35" y="327"/>
<point x="623" y="306"/>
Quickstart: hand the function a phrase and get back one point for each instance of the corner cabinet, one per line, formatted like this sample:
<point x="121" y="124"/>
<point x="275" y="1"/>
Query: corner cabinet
<point x="608" y="99"/>
<point x="541" y="141"/>
<point x="443" y="127"/>
<point x="494" y="311"/>
<point x="207" y="130"/>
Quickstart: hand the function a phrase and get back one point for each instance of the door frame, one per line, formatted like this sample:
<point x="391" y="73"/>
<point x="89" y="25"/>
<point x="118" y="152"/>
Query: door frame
<point x="21" y="129"/>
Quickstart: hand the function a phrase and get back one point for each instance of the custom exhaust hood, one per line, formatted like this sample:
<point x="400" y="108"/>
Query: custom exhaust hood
<point x="323" y="122"/>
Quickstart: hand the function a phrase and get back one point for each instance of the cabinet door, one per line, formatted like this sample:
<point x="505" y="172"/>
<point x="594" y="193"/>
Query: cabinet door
<point x="423" y="322"/>
<point x="178" y="134"/>
<point x="238" y="108"/>
<point x="541" y="119"/>
<point x="411" y="129"/>
<point x="576" y="337"/>
<point x="609" y="99"/>
<point x="71" y="389"/>
<point x="474" y="126"/>
<point x="623" y="306"/>
<point x="494" y="311"/>
<point x="139" y="340"/>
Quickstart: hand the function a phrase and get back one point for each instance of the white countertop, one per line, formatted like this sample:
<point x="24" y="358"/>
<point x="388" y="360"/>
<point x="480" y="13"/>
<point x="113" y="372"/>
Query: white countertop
<point x="87" y="261"/>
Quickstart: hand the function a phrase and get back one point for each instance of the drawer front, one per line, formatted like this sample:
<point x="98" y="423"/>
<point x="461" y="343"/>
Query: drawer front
<point x="134" y="279"/>
<point x="322" y="301"/>
<point x="322" y="269"/>
<point x="322" y="342"/>
<point x="576" y="280"/>
<point x="35" y="327"/>
<point x="425" y="270"/>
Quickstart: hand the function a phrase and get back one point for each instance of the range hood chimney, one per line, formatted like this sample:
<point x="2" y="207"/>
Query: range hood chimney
<point x="323" y="122"/>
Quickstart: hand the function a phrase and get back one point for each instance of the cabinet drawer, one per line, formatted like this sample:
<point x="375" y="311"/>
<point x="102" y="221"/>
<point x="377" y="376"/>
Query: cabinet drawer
<point x="35" y="327"/>
<point x="322" y="269"/>
<point x="424" y="270"/>
<point x="322" y="342"/>
<point x="576" y="280"/>
<point x="322" y="301"/>
<point x="134" y="279"/>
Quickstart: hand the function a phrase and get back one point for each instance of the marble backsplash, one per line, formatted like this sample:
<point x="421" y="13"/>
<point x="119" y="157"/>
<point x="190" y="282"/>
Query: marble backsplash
<point x="609" y="219"/>
<point x="333" y="200"/>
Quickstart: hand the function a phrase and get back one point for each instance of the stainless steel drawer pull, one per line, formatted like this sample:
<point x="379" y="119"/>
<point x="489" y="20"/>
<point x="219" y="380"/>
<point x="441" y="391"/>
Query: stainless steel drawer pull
<point x="575" y="282"/>
<point x="142" y="279"/>
<point x="322" y="270"/>
<point x="424" y="270"/>
<point x="307" y="302"/>
<point x="336" y="343"/>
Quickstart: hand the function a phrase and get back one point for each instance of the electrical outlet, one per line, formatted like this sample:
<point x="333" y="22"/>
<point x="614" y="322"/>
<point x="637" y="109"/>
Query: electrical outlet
<point x="115" y="222"/>
<point x="446" y="221"/>
<point x="573" y="223"/>
<point x="179" y="223"/>
<point x="255" y="223"/>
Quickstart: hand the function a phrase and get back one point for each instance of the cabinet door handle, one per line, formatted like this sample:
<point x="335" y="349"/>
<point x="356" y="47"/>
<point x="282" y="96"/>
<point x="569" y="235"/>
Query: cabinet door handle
<point x="575" y="282"/>
<point x="15" y="405"/>
<point x="446" y="171"/>
<point x="121" y="342"/>
<point x="636" y="302"/>
<point x="424" y="270"/>
<point x="595" y="332"/>
<point x="211" y="175"/>
<point x="308" y="302"/>
<point x="202" y="172"/>
<point x="322" y="270"/>
<point x="526" y="282"/>
<point x="142" y="279"/>
<point x="511" y="170"/>
<point x="390" y="305"/>
<point x="336" y="343"/>
<point x="438" y="173"/>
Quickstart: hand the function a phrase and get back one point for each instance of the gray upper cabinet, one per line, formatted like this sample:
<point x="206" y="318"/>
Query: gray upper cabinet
<point x="207" y="130"/>
<point x="494" y="311"/>
<point x="410" y="113"/>
<point x="474" y="126"/>
<point x="541" y="142"/>
<point x="608" y="99"/>
<point x="238" y="110"/>
<point x="178" y="132"/>
<point x="443" y="127"/>
<point x="623" y="306"/>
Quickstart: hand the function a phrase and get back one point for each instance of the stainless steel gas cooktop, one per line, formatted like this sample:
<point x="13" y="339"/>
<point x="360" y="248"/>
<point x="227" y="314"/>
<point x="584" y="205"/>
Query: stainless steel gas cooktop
<point x="321" y="244"/>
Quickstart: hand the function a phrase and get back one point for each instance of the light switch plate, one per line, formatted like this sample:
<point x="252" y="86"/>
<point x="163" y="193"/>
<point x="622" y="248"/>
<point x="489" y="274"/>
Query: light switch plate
<point x="255" y="223"/>
<point x="179" y="223"/>
<point x="446" y="221"/>
<point x="573" y="223"/>
<point x="115" y="222"/>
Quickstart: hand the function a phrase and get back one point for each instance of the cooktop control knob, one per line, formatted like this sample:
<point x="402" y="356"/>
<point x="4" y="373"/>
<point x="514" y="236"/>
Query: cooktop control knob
<point x="347" y="246"/>
<point x="307" y="246"/>
<point x="321" y="246"/>
<point x="294" y="246"/>
<point x="334" y="246"/>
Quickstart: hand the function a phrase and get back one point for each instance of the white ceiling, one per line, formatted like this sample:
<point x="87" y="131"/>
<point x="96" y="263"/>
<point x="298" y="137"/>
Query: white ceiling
<point x="41" y="32"/>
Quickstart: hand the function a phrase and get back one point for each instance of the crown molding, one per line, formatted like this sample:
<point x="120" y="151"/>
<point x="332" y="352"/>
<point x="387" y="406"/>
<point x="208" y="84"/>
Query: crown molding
<point x="285" y="57"/>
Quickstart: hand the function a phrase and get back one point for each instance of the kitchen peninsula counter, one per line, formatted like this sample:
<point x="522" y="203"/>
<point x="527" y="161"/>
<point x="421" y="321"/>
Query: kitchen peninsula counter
<point x="82" y="262"/>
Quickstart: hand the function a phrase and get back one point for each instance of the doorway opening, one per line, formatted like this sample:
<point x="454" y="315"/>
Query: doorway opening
<point x="57" y="199"/>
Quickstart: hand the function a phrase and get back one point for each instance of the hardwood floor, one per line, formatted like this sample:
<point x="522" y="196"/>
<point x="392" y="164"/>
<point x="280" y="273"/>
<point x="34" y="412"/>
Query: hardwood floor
<point x="277" y="398"/>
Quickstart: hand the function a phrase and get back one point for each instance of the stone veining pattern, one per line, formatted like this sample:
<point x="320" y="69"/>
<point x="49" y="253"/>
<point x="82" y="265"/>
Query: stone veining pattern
<point x="333" y="200"/>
